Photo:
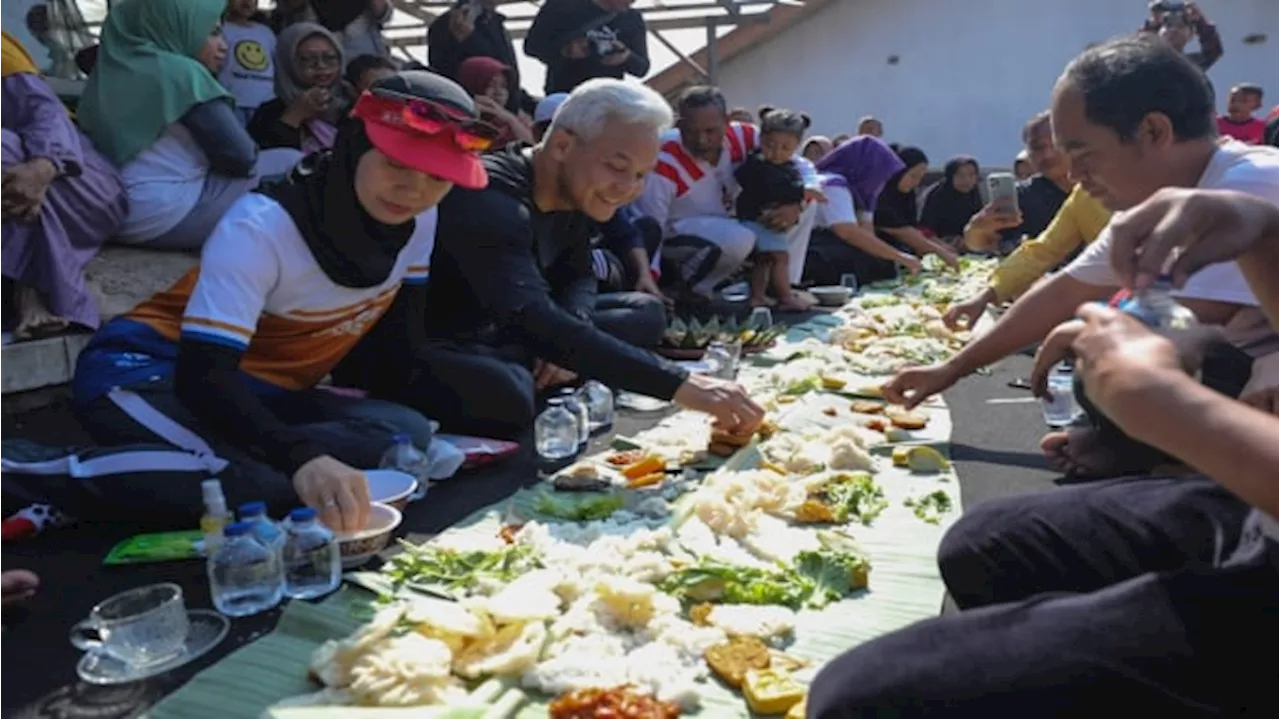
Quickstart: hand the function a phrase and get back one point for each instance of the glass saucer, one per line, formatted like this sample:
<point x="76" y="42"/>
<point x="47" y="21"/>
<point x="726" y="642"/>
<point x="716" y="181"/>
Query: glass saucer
<point x="207" y="629"/>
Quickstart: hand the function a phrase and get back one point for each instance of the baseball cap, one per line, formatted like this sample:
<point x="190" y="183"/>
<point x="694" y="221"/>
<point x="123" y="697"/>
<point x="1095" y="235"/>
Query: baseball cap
<point x="547" y="107"/>
<point x="429" y="123"/>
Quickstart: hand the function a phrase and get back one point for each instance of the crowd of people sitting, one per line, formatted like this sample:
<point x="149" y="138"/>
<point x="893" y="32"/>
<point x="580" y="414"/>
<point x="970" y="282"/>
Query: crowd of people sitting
<point x="382" y="246"/>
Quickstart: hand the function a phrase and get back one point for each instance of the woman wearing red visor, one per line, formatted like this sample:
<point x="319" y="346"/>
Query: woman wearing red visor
<point x="217" y="375"/>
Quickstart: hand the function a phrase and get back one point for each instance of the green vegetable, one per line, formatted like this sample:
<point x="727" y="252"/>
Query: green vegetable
<point x="714" y="581"/>
<point x="439" y="567"/>
<point x="834" y="574"/>
<point x="802" y="386"/>
<point x="579" y="508"/>
<point x="930" y="507"/>
<point x="855" y="496"/>
<point x="871" y="303"/>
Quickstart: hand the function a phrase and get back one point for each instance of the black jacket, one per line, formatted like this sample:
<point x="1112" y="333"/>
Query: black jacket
<point x="490" y="39"/>
<point x="560" y="21"/>
<point x="505" y="273"/>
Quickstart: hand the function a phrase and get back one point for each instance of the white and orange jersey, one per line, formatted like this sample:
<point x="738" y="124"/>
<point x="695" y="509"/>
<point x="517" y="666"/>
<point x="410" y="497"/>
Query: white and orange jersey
<point x="259" y="289"/>
<point x="683" y="186"/>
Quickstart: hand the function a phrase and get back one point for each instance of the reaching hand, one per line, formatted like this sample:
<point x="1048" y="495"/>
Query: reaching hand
<point x="970" y="310"/>
<point x="547" y="375"/>
<point x="948" y="256"/>
<point x="646" y="284"/>
<point x="728" y="402"/>
<point x="340" y="494"/>
<point x="910" y="262"/>
<point x="913" y="385"/>
<point x="1197" y="227"/>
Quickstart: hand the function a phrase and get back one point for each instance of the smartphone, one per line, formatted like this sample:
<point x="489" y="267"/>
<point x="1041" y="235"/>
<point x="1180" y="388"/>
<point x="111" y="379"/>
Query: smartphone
<point x="1002" y="192"/>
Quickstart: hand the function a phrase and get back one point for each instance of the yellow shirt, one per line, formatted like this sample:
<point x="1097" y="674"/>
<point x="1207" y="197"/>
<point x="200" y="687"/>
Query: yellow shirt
<point x="1077" y="223"/>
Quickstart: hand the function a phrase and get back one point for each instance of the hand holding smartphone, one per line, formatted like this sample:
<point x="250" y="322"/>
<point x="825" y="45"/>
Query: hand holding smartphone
<point x="1002" y="192"/>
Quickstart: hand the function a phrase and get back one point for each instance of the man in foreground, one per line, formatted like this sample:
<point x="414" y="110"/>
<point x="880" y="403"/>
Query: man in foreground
<point x="1134" y="116"/>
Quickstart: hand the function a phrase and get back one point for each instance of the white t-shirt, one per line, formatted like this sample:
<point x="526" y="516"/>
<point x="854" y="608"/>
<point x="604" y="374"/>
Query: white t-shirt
<point x="259" y="289"/>
<point x="1234" y="166"/>
<point x="249" y="72"/>
<point x="163" y="184"/>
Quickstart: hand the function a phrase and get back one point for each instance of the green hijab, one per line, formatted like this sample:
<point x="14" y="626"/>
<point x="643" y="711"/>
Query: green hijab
<point x="147" y="76"/>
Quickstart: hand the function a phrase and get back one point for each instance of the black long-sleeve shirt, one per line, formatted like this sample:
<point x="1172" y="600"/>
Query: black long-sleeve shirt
<point x="561" y="21"/>
<point x="511" y="274"/>
<point x="766" y="185"/>
<point x="489" y="39"/>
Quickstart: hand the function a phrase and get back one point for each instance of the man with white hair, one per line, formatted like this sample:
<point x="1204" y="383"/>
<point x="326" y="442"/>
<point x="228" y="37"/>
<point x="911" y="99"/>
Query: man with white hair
<point x="512" y="292"/>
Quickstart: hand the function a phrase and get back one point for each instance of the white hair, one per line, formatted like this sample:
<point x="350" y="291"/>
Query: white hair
<point x="595" y="104"/>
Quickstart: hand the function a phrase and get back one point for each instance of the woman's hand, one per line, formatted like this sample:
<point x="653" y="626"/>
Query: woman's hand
<point x="340" y="494"/>
<point x="727" y="402"/>
<point x="909" y="262"/>
<point x="547" y="375"/>
<point x="307" y="106"/>
<point x="23" y="187"/>
<point x="1193" y="228"/>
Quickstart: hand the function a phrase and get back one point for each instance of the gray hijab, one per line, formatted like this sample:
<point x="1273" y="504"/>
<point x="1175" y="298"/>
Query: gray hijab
<point x="288" y="83"/>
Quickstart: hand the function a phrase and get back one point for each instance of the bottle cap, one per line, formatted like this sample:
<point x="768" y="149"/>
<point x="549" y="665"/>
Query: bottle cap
<point x="555" y="401"/>
<point x="253" y="509"/>
<point x="401" y="438"/>
<point x="235" y="529"/>
<point x="302" y="514"/>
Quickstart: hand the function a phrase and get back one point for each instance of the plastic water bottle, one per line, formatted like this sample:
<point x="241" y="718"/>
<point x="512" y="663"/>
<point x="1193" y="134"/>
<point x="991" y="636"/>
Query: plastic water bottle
<point x="556" y="432"/>
<point x="403" y="456"/>
<point x="1060" y="409"/>
<point x="244" y="575"/>
<point x="1156" y="308"/>
<point x="580" y="413"/>
<point x="599" y="400"/>
<point x="266" y="530"/>
<point x="312" y="558"/>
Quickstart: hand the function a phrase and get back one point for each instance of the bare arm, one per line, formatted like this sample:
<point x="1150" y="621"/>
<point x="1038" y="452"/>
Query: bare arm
<point x="916" y="240"/>
<point x="864" y="239"/>
<point x="1173" y="412"/>
<point x="1030" y="319"/>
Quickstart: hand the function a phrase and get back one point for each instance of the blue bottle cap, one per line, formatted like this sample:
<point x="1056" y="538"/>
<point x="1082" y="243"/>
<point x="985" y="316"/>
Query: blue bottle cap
<point x="253" y="509"/>
<point x="401" y="438"/>
<point x="235" y="529"/>
<point x="302" y="514"/>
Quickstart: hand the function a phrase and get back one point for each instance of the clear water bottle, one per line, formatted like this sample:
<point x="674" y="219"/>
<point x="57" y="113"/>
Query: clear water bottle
<point x="556" y="432"/>
<point x="1060" y="409"/>
<point x="312" y="557"/>
<point x="403" y="456"/>
<point x="1156" y="308"/>
<point x="245" y="577"/>
<point x="580" y="413"/>
<point x="267" y="531"/>
<point x="721" y="360"/>
<point x="599" y="400"/>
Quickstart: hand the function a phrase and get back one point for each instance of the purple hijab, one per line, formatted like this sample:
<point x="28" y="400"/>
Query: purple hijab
<point x="862" y="165"/>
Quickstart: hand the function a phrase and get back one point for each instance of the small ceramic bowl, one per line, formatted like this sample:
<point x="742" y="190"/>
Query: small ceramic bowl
<point x="390" y="486"/>
<point x="832" y="295"/>
<point x="359" y="547"/>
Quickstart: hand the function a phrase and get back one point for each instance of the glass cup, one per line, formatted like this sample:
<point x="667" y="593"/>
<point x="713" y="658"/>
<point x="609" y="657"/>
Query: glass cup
<point x="139" y="627"/>
<point x="849" y="280"/>
<point x="761" y="318"/>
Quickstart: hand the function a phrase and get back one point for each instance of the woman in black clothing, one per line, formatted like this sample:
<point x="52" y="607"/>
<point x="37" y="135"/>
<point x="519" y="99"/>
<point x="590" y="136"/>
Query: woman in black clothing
<point x="897" y="220"/>
<point x="950" y="203"/>
<point x="311" y="96"/>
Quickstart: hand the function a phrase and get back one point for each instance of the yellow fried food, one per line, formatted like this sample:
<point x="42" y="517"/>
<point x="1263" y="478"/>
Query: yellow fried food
<point x="833" y="383"/>
<point x="771" y="692"/>
<point x="814" y="511"/>
<point x="797" y="710"/>
<point x="866" y="406"/>
<point x="905" y="419"/>
<point x="925" y="459"/>
<point x="733" y="660"/>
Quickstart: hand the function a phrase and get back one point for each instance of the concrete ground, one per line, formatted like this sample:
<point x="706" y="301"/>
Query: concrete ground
<point x="994" y="447"/>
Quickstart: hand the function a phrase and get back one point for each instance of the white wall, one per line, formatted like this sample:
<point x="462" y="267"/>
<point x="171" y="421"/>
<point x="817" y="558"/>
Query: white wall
<point x="969" y="73"/>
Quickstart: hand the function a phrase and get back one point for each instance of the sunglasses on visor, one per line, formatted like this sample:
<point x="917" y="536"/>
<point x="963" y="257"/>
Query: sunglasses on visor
<point x="414" y="113"/>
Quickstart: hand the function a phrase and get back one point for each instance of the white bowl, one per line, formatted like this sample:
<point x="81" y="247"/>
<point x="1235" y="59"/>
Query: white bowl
<point x="390" y="486"/>
<point x="359" y="547"/>
<point x="832" y="295"/>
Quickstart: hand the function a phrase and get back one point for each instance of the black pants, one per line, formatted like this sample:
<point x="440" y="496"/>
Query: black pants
<point x="153" y="454"/>
<point x="633" y="317"/>
<point x="473" y="389"/>
<point x="1086" y="600"/>
<point x="829" y="258"/>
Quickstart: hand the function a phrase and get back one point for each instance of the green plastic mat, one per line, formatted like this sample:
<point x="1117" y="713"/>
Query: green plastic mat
<point x="904" y="588"/>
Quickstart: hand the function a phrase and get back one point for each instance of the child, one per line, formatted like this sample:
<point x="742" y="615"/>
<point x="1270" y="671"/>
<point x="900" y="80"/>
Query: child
<point x="249" y="73"/>
<point x="1239" y="121"/>
<point x="770" y="179"/>
<point x="365" y="70"/>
